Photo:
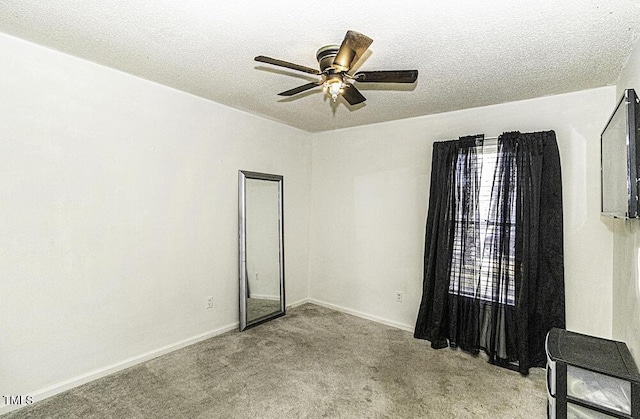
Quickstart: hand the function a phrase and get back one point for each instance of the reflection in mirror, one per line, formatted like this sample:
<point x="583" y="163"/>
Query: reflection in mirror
<point x="261" y="248"/>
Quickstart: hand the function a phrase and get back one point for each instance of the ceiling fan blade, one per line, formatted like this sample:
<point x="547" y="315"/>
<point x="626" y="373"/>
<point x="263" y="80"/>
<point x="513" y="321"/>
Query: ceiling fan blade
<point x="353" y="95"/>
<point x="401" y="76"/>
<point x="269" y="60"/>
<point x="352" y="48"/>
<point x="300" y="89"/>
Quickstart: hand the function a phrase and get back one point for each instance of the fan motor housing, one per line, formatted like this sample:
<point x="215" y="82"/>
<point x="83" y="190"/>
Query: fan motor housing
<point x="326" y="55"/>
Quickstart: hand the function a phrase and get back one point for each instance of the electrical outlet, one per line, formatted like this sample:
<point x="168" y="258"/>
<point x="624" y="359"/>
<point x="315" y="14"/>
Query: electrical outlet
<point x="257" y="276"/>
<point x="399" y="296"/>
<point x="210" y="302"/>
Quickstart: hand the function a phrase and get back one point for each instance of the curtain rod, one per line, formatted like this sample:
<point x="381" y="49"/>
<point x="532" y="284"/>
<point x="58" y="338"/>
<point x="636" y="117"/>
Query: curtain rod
<point x="483" y="139"/>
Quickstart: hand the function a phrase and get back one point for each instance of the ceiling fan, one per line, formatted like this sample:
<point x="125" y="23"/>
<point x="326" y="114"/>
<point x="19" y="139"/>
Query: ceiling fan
<point x="335" y="63"/>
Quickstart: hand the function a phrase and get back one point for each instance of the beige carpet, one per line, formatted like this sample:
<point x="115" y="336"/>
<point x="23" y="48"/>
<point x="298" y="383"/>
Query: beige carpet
<point x="311" y="363"/>
<point x="258" y="307"/>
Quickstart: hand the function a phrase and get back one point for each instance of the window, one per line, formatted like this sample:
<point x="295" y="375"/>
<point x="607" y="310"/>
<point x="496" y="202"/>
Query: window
<point x="483" y="263"/>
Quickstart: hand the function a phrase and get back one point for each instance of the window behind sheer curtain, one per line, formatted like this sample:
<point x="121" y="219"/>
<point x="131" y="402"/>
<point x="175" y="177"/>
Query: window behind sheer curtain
<point x="480" y="269"/>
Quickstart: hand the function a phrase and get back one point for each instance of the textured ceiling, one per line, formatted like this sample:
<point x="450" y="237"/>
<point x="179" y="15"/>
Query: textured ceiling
<point x="469" y="53"/>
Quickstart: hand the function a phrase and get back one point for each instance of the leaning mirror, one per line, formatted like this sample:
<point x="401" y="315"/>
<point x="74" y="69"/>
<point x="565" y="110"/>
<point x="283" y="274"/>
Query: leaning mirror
<point x="261" y="248"/>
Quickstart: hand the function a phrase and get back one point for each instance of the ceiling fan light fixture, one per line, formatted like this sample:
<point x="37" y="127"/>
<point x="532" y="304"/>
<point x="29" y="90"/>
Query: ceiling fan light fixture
<point x="334" y="88"/>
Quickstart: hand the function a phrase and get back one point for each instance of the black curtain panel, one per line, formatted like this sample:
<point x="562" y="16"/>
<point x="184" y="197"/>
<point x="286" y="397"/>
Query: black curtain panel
<point x="493" y="266"/>
<point x="433" y="319"/>
<point x="540" y="297"/>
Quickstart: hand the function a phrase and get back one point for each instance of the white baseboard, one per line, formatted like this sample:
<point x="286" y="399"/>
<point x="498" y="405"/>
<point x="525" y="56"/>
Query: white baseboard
<point x="408" y="328"/>
<point x="110" y="369"/>
<point x="298" y="303"/>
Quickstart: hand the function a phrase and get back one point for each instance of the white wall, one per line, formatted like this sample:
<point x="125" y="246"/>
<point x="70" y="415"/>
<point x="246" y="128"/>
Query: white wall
<point x="626" y="247"/>
<point x="118" y="216"/>
<point x="370" y="194"/>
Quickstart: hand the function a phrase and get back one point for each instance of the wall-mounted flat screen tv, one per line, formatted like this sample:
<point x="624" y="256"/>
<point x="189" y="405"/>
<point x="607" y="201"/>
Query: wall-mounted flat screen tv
<point x="620" y="156"/>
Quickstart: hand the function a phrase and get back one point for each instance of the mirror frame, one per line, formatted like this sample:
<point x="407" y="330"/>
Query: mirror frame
<point x="243" y="175"/>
